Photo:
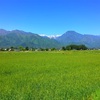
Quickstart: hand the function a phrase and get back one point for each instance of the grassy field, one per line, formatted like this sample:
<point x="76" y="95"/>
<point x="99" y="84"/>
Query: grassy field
<point x="56" y="75"/>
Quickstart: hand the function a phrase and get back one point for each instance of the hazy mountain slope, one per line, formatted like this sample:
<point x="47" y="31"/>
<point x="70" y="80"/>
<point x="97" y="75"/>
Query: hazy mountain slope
<point x="72" y="37"/>
<point x="3" y="32"/>
<point x="20" y="38"/>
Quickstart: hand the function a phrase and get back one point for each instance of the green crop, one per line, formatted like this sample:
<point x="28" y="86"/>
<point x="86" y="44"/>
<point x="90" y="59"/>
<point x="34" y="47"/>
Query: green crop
<point x="55" y="75"/>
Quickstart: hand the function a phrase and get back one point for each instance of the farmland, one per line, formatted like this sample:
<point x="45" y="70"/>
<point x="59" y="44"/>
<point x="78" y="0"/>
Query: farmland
<point x="50" y="75"/>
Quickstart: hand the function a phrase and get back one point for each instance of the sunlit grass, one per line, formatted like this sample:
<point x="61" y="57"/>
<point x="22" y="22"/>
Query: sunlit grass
<point x="57" y="75"/>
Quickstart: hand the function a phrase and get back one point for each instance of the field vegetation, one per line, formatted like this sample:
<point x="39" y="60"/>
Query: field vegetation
<point x="50" y="75"/>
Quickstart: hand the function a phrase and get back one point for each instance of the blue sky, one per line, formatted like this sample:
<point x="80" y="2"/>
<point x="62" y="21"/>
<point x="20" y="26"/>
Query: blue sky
<point x="51" y="17"/>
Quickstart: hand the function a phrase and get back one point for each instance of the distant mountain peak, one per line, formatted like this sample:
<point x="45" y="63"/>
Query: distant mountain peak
<point x="50" y="36"/>
<point x="53" y="36"/>
<point x="71" y="32"/>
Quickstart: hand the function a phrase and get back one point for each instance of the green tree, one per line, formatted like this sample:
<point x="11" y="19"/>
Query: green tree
<point x="21" y="48"/>
<point x="82" y="47"/>
<point x="27" y="48"/>
<point x="33" y="49"/>
<point x="47" y="49"/>
<point x="76" y="47"/>
<point x="63" y="48"/>
<point x="12" y="48"/>
<point x="52" y="49"/>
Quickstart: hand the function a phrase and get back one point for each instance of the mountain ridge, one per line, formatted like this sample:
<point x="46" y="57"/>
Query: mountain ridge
<point x="21" y="38"/>
<point x="72" y="37"/>
<point x="18" y="38"/>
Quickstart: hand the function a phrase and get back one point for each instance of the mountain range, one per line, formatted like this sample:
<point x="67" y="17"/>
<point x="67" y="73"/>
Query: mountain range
<point x="18" y="38"/>
<point x="72" y="37"/>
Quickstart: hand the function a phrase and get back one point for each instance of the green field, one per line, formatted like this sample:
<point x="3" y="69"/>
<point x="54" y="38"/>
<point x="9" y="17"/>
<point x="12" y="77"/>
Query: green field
<point x="55" y="75"/>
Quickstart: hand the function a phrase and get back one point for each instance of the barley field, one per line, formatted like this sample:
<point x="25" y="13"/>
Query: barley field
<point x="51" y="75"/>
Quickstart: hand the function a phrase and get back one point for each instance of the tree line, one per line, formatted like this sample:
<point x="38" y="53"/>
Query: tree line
<point x="75" y="47"/>
<point x="21" y="48"/>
